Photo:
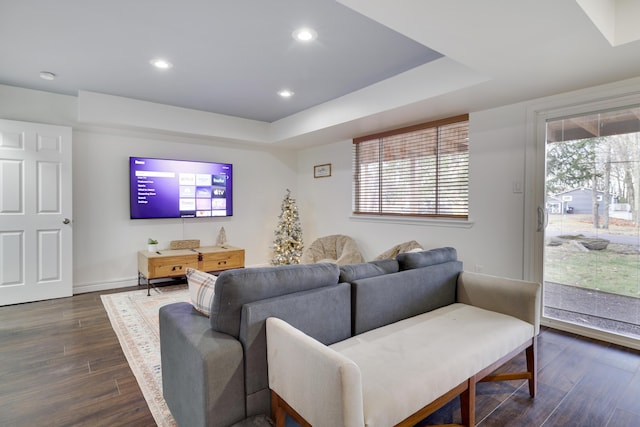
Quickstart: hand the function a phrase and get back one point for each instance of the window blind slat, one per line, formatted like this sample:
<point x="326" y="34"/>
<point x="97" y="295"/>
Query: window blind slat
<point x="418" y="171"/>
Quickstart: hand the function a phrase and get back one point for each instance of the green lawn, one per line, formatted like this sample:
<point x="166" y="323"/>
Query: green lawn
<point x="610" y="270"/>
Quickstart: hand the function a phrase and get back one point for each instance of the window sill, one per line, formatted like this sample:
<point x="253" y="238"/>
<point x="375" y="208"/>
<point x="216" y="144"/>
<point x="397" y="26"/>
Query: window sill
<point x="427" y="222"/>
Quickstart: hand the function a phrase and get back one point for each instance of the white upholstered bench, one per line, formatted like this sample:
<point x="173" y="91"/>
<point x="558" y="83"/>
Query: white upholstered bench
<point x="396" y="374"/>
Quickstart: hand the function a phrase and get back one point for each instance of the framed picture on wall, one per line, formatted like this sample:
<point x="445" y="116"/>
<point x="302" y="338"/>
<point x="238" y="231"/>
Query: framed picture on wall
<point x="322" y="171"/>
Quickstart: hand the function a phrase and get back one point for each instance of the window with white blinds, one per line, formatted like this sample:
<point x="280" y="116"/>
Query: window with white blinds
<point x="421" y="170"/>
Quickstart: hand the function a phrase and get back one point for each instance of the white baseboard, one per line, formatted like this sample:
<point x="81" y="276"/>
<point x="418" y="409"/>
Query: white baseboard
<point x="83" y="288"/>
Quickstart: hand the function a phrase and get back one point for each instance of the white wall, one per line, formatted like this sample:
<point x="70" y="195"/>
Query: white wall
<point x="506" y="185"/>
<point x="493" y="240"/>
<point x="105" y="239"/>
<point x="496" y="240"/>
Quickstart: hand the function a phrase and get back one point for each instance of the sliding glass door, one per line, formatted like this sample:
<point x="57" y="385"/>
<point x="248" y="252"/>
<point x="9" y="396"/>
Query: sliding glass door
<point x="591" y="249"/>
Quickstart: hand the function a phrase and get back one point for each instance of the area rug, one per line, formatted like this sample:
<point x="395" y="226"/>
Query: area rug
<point x="134" y="318"/>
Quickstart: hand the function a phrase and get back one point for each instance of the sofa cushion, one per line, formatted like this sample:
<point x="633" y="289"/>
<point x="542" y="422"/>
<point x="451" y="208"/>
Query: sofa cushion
<point x="378" y="301"/>
<point x="409" y="260"/>
<point x="234" y="288"/>
<point x="201" y="289"/>
<point x="351" y="272"/>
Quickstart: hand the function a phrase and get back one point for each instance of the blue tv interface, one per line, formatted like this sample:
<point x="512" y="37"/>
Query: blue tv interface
<point x="164" y="188"/>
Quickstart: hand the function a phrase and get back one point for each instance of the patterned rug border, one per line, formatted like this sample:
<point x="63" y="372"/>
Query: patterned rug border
<point x="134" y="318"/>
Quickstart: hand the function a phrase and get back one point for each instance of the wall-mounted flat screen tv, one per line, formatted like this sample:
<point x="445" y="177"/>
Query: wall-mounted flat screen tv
<point x="164" y="188"/>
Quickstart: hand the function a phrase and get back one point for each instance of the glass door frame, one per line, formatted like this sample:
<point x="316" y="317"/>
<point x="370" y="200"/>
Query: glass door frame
<point x="589" y="101"/>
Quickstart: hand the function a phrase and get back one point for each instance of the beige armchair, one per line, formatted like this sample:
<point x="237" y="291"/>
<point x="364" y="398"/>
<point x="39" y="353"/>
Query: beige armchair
<point x="336" y="248"/>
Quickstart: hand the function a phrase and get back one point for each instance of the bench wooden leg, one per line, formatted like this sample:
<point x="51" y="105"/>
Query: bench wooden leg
<point x="531" y="374"/>
<point x="280" y="409"/>
<point x="468" y="404"/>
<point x="532" y="366"/>
<point x="277" y="411"/>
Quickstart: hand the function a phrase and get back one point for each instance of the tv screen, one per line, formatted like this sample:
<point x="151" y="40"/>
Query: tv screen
<point x="164" y="188"/>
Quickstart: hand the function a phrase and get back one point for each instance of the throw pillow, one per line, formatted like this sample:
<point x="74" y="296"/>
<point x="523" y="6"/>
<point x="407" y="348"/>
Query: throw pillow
<point x="201" y="290"/>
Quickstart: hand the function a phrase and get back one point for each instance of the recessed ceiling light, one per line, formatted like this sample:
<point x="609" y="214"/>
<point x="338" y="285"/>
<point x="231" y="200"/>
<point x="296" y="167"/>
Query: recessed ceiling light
<point x="286" y="93"/>
<point x="304" y="34"/>
<point x="161" y="63"/>
<point x="47" y="75"/>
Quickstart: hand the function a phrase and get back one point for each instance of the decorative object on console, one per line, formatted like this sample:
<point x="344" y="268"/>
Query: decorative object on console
<point x="152" y="245"/>
<point x="222" y="237"/>
<point x="410" y="246"/>
<point x="184" y="244"/>
<point x="336" y="248"/>
<point x="287" y="246"/>
<point x="201" y="290"/>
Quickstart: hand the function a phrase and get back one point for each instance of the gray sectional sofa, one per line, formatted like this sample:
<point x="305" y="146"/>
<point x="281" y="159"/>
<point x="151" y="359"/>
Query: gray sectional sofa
<point x="215" y="371"/>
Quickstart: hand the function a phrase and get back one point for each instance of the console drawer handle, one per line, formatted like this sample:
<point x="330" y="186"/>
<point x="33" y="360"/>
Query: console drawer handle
<point x="176" y="267"/>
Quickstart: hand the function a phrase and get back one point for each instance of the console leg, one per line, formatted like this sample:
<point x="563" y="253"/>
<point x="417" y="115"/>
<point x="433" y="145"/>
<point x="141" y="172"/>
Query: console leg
<point x="140" y="277"/>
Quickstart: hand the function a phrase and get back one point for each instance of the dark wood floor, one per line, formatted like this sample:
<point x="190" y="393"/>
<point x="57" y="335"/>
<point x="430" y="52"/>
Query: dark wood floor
<point x="581" y="383"/>
<point x="61" y="365"/>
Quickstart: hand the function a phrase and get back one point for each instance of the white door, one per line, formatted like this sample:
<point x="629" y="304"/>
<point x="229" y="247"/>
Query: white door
<point x="35" y="212"/>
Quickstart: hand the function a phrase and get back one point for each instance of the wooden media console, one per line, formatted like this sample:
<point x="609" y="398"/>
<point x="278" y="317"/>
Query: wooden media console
<point x="172" y="263"/>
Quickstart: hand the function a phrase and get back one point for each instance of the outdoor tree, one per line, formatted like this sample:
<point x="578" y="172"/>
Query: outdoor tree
<point x="573" y="164"/>
<point x="626" y="164"/>
<point x="607" y="165"/>
<point x="287" y="246"/>
<point x="570" y="164"/>
<point x="607" y="183"/>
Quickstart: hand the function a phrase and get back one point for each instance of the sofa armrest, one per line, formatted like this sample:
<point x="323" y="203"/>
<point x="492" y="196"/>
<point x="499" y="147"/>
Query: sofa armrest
<point x="517" y="298"/>
<point x="202" y="370"/>
<point x="319" y="383"/>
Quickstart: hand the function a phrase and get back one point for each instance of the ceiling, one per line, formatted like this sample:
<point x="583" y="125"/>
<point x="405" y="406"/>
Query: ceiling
<point x="229" y="57"/>
<point x="376" y="64"/>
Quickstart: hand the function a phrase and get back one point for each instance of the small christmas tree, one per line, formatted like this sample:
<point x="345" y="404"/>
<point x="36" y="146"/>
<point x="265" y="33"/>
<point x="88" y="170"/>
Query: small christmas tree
<point x="287" y="246"/>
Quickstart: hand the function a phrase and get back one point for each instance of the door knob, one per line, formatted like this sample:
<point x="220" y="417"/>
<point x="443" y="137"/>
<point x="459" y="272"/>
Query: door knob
<point x="66" y="221"/>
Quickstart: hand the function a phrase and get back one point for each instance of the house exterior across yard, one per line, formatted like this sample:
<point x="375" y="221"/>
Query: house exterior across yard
<point x="576" y="201"/>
